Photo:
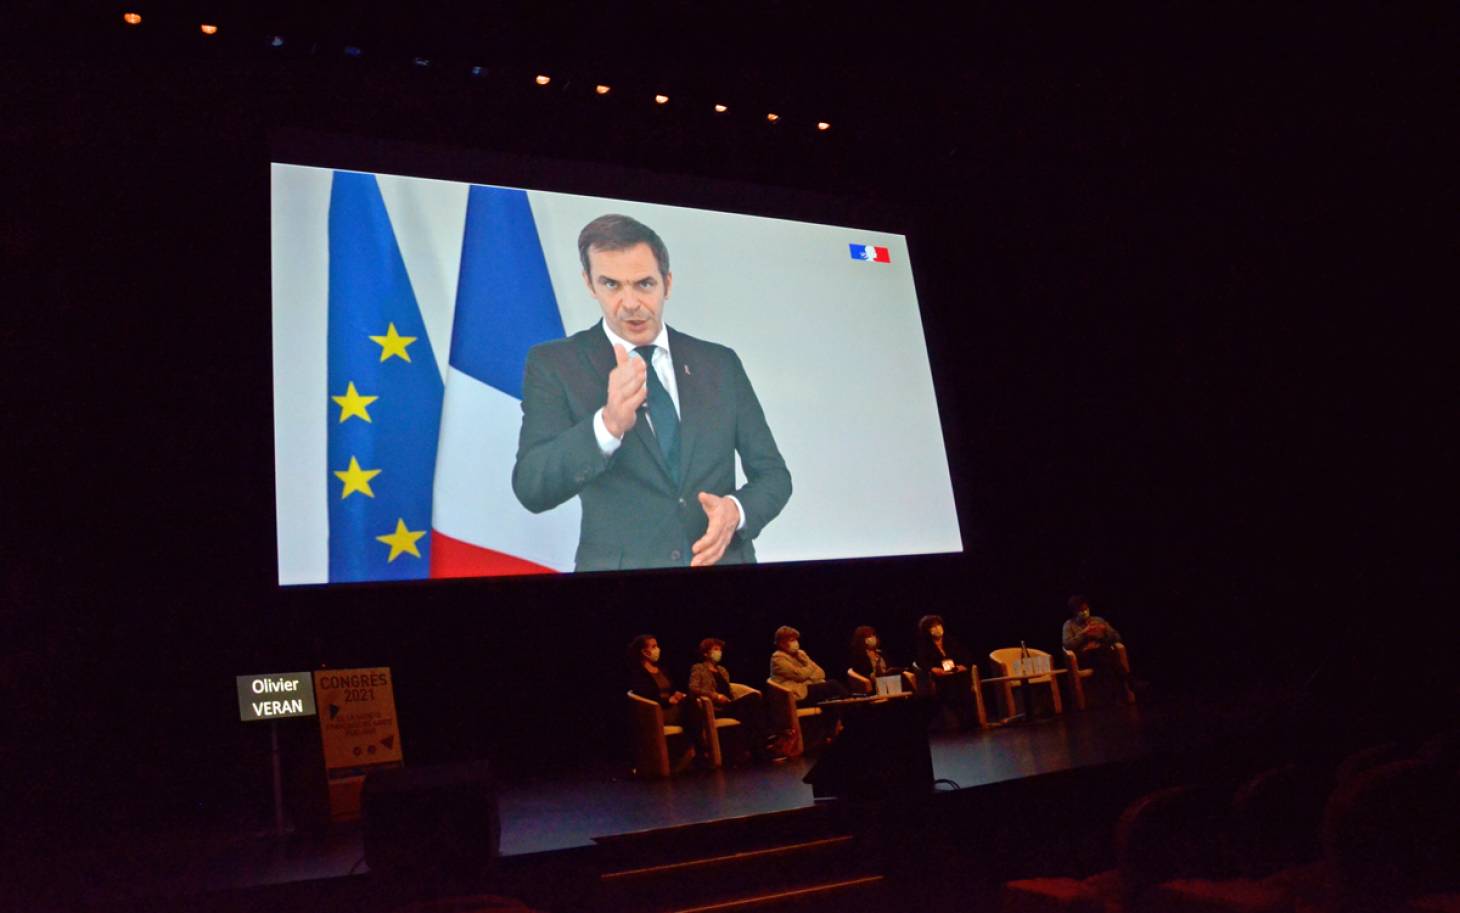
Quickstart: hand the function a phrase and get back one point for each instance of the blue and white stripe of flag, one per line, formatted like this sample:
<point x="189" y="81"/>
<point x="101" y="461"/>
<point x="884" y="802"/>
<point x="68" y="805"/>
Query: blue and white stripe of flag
<point x="385" y="391"/>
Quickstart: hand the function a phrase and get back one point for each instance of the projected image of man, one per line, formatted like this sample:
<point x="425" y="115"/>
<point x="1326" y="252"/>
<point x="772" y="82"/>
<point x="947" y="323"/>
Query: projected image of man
<point x="643" y="422"/>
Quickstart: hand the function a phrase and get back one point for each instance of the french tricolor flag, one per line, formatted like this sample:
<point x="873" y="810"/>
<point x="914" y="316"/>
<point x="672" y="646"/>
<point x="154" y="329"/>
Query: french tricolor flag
<point x="504" y="306"/>
<point x="870" y="254"/>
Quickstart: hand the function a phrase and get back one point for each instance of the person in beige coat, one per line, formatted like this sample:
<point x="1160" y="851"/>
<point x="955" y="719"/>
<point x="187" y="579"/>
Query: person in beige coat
<point x="797" y="672"/>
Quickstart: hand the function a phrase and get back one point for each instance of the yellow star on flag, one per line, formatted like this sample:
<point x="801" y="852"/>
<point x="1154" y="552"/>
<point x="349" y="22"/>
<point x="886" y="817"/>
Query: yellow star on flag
<point x="356" y="479"/>
<point x="352" y="403"/>
<point x="392" y="343"/>
<point x="402" y="540"/>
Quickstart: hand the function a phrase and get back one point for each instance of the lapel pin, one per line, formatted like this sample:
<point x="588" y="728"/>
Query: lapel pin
<point x="686" y="370"/>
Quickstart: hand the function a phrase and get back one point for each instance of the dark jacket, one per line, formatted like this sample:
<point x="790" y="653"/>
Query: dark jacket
<point x="634" y="515"/>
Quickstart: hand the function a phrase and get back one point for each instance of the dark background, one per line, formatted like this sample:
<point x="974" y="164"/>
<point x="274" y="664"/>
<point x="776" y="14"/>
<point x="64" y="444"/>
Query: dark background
<point x="1173" y="269"/>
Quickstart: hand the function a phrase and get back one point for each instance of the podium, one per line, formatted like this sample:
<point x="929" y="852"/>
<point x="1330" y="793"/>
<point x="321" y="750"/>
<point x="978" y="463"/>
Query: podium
<point x="881" y="753"/>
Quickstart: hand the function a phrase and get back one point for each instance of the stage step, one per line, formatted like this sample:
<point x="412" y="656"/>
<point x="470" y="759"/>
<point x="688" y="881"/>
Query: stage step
<point x="715" y="862"/>
<point x="761" y="868"/>
<point x="723" y="837"/>
<point x="844" y="896"/>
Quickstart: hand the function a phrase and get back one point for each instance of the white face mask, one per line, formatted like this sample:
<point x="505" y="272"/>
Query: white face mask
<point x="654" y="655"/>
<point x="871" y="643"/>
<point x="793" y="647"/>
<point x="715" y="656"/>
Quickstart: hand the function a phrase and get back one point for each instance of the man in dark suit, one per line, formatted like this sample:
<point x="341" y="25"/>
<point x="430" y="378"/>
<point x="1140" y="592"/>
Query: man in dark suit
<point x="643" y="423"/>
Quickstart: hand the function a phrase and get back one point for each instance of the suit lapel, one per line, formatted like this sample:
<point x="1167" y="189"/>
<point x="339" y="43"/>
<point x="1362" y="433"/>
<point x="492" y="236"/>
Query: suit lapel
<point x="694" y="396"/>
<point x="599" y="353"/>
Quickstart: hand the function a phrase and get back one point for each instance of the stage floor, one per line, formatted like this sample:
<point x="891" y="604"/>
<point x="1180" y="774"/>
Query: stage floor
<point x="567" y="812"/>
<point x="560" y="814"/>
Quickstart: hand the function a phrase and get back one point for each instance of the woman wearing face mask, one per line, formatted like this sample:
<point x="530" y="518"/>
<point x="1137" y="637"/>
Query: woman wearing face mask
<point x="710" y="679"/>
<point x="794" y="670"/>
<point x="865" y="658"/>
<point x="943" y="666"/>
<point x="648" y="680"/>
<point x="1092" y="639"/>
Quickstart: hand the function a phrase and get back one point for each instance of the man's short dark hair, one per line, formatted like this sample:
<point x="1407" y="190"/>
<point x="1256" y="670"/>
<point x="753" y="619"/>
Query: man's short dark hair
<point x="615" y="232"/>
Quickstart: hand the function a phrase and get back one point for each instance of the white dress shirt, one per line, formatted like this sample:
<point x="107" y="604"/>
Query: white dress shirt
<point x="663" y="365"/>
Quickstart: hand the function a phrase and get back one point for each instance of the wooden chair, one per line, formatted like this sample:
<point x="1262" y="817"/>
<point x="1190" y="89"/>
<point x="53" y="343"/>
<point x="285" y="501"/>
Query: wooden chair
<point x="714" y="724"/>
<point x="922" y="685"/>
<point x="651" y="739"/>
<point x="1078" y="675"/>
<point x="786" y="716"/>
<point x="1003" y="659"/>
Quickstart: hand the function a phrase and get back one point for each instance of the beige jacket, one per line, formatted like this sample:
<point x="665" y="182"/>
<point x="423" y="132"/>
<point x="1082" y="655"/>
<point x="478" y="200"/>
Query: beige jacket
<point x="794" y="673"/>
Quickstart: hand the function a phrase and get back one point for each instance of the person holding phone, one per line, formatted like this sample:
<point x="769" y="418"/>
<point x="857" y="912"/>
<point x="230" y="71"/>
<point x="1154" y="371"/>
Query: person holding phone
<point x="1092" y="639"/>
<point x="943" y="674"/>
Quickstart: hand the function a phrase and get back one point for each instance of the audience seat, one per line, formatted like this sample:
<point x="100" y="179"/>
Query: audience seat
<point x="1380" y="829"/>
<point x="1276" y="816"/>
<point x="1383" y="834"/>
<point x="1366" y="758"/>
<point x="1179" y="832"/>
<point x="1274" y="841"/>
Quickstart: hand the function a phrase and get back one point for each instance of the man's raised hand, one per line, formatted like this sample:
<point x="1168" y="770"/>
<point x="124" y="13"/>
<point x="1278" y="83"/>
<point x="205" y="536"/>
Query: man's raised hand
<point x="724" y="519"/>
<point x="627" y="390"/>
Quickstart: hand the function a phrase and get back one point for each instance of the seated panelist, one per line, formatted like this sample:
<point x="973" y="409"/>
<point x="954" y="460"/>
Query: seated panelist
<point x="794" y="670"/>
<point x="1092" y="639"/>
<point x="944" y="665"/>
<point x="648" y="680"/>
<point x="710" y="679"/>
<point x="864" y="657"/>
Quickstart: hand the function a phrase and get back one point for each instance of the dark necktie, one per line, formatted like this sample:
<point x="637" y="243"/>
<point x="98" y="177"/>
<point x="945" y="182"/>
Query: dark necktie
<point x="662" y="414"/>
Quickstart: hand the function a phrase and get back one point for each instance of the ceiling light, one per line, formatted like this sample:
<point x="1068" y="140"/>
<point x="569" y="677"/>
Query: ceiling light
<point x="721" y="109"/>
<point x="661" y="99"/>
<point x="823" y="125"/>
<point x="132" y="18"/>
<point x="773" y="117"/>
<point x="601" y="89"/>
<point x="543" y="80"/>
<point x="208" y="29"/>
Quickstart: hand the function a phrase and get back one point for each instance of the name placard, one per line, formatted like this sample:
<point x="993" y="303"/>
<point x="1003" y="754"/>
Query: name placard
<point x="276" y="696"/>
<point x="1030" y="665"/>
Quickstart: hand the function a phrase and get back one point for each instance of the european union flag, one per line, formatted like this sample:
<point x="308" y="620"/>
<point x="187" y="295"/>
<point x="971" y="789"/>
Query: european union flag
<point x="385" y="395"/>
